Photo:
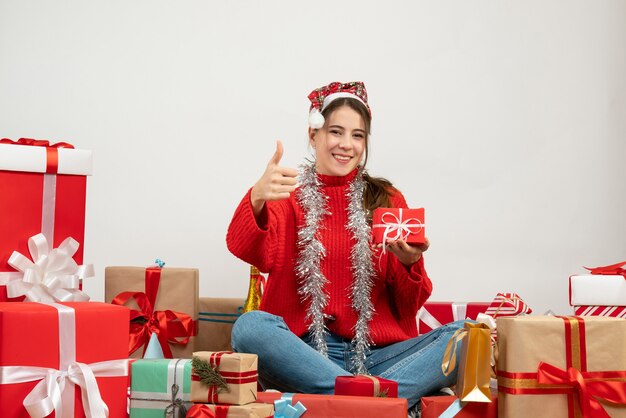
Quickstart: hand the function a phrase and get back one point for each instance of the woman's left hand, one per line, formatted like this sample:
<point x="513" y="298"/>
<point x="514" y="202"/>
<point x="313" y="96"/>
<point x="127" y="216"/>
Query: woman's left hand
<point x="408" y="254"/>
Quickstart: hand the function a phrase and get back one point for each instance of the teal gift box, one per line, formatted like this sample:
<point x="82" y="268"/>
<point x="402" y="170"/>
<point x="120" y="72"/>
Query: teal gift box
<point x="160" y="387"/>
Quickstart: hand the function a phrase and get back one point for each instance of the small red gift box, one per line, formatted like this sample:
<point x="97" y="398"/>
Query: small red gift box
<point x="337" y="406"/>
<point x="434" y="406"/>
<point x="43" y="191"/>
<point x="63" y="348"/>
<point x="435" y="314"/>
<point x="613" y="311"/>
<point x="364" y="385"/>
<point x="398" y="223"/>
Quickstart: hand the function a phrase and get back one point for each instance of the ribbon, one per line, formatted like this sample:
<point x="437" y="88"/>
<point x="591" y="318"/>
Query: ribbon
<point x="377" y="393"/>
<point x="285" y="408"/>
<point x="609" y="386"/>
<point x="454" y="408"/>
<point x="176" y="401"/>
<point x="402" y="228"/>
<point x="55" y="390"/>
<point x="613" y="269"/>
<point x="203" y="411"/>
<point x="171" y="327"/>
<point x="51" y="276"/>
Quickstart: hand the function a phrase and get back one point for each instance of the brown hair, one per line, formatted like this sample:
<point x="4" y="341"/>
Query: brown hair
<point x="378" y="190"/>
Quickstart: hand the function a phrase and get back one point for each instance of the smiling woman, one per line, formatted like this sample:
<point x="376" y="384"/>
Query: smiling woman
<point x="334" y="304"/>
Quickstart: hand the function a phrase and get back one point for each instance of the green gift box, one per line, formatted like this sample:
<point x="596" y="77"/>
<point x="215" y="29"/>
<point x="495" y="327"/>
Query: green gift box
<point x="160" y="387"/>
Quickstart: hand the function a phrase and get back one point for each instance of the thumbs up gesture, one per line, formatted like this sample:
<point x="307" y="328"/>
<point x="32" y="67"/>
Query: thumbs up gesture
<point x="276" y="183"/>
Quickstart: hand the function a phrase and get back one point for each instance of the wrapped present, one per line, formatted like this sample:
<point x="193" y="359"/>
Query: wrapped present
<point x="614" y="311"/>
<point x="66" y="358"/>
<point x="398" y="223"/>
<point x="604" y="286"/>
<point x="164" y="301"/>
<point x="365" y="385"/>
<point x="43" y="191"/>
<point x="435" y="314"/>
<point x="451" y="406"/>
<point x="573" y="366"/>
<point x="507" y="304"/>
<point x="338" y="406"/>
<point x="224" y="377"/>
<point x="251" y="410"/>
<point x="215" y="323"/>
<point x="160" y="387"/>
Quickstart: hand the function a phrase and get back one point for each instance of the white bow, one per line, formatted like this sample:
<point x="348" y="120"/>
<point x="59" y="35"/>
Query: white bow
<point x="46" y="396"/>
<point x="51" y="276"/>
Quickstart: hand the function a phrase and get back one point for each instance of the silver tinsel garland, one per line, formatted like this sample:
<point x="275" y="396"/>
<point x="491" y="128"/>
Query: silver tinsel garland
<point x="311" y="251"/>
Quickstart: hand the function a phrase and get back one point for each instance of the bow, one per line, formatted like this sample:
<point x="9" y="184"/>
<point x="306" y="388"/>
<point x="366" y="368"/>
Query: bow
<point x="176" y="405"/>
<point x="51" y="276"/>
<point x="170" y="327"/>
<point x="36" y="143"/>
<point x="588" y="391"/>
<point x="284" y="409"/>
<point x="46" y="395"/>
<point x="616" y="269"/>
<point x="402" y="229"/>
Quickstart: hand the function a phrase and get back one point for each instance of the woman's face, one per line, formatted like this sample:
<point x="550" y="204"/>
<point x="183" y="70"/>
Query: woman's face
<point x="339" y="145"/>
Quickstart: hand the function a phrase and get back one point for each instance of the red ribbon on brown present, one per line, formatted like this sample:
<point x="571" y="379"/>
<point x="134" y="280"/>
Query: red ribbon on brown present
<point x="171" y="327"/>
<point x="609" y="386"/>
<point x="52" y="153"/>
<point x="613" y="269"/>
<point x="231" y="378"/>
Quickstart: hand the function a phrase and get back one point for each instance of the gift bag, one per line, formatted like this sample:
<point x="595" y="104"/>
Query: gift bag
<point x="474" y="362"/>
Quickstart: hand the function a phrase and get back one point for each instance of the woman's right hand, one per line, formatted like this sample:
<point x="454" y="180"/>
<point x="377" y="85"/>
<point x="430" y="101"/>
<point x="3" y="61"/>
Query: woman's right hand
<point x="276" y="183"/>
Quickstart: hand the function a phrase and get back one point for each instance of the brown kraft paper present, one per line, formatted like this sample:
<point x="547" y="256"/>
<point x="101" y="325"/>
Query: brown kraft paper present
<point x="554" y="366"/>
<point x="177" y="291"/>
<point x="233" y="377"/>
<point x="215" y="323"/>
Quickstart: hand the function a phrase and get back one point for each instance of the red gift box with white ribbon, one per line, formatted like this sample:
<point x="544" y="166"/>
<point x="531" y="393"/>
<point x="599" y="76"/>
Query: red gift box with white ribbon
<point x="43" y="191"/>
<point x="398" y="223"/>
<point x="435" y="314"/>
<point x="69" y="359"/>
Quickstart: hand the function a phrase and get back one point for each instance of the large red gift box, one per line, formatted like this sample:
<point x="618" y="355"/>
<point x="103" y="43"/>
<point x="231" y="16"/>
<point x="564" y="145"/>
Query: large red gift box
<point x="434" y="406"/>
<point x="435" y="314"/>
<point x="43" y="346"/>
<point x="365" y="385"/>
<point x="42" y="190"/>
<point x="398" y="223"/>
<point x="338" y="406"/>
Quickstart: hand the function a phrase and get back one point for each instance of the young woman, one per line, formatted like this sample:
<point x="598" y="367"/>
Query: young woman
<point x="334" y="304"/>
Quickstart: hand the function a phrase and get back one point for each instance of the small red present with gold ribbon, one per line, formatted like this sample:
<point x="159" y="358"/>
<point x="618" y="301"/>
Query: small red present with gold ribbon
<point x="224" y="377"/>
<point x="398" y="223"/>
<point x="558" y="366"/>
<point x="366" y="385"/>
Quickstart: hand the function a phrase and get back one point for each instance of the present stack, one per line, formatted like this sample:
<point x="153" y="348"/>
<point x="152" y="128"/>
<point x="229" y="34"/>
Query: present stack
<point x="602" y="292"/>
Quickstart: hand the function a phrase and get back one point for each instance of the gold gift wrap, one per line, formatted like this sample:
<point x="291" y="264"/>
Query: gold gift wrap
<point x="178" y="292"/>
<point x="251" y="410"/>
<point x="590" y="349"/>
<point x="215" y="323"/>
<point x="238" y="374"/>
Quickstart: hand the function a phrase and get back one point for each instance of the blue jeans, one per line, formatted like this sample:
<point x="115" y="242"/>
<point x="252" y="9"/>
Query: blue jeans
<point x="289" y="363"/>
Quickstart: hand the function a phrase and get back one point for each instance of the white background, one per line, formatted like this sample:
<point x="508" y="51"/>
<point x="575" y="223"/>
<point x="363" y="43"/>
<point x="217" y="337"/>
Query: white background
<point x="506" y="120"/>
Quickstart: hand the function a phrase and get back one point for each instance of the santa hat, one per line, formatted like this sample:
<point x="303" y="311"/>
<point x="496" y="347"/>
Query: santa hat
<point x="320" y="98"/>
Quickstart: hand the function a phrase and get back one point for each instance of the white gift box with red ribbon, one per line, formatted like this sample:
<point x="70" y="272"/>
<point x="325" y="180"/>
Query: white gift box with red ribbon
<point x="597" y="290"/>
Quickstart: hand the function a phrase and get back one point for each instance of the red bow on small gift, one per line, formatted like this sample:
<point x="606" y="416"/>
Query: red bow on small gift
<point x="36" y="143"/>
<point x="203" y="411"/>
<point x="616" y="269"/>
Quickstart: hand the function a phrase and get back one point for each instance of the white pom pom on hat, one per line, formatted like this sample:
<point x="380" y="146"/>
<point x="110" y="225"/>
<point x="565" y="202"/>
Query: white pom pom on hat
<point x="316" y="119"/>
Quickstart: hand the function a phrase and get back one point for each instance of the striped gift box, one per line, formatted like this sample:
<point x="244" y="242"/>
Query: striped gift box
<point x="160" y="387"/>
<point x="613" y="311"/>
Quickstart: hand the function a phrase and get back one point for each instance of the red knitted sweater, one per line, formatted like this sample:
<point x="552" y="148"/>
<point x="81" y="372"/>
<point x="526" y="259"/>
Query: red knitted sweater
<point x="270" y="245"/>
